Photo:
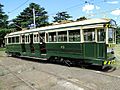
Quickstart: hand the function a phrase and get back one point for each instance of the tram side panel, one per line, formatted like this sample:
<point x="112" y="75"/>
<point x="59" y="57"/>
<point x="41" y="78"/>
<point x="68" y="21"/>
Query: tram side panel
<point x="69" y="50"/>
<point x="91" y="52"/>
<point x="13" y="49"/>
<point x="94" y="53"/>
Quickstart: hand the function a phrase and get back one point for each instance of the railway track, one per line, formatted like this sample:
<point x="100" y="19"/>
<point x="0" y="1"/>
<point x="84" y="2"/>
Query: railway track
<point x="58" y="77"/>
<point x="107" y="74"/>
<point x="72" y="80"/>
<point x="25" y="82"/>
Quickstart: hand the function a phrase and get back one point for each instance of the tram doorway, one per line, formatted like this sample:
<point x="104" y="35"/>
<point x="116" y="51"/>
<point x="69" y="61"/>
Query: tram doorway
<point x="42" y="44"/>
<point x="23" y="44"/>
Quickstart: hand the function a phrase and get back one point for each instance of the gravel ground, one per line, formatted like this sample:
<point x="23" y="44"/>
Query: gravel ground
<point x="26" y="74"/>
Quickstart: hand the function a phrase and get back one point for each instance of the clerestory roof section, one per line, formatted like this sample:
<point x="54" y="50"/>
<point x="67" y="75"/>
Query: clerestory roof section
<point x="77" y="23"/>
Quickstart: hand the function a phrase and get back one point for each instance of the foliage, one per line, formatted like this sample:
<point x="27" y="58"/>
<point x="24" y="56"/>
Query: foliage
<point x="60" y="16"/>
<point x="81" y="18"/>
<point x="118" y="31"/>
<point x="2" y="49"/>
<point x="3" y="32"/>
<point x="3" y="17"/>
<point x="118" y="34"/>
<point x="25" y="18"/>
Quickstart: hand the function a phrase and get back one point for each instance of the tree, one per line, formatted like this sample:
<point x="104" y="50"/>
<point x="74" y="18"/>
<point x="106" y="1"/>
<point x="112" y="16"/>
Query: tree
<point x="118" y="34"/>
<point x="25" y="19"/>
<point x="3" y="25"/>
<point x="3" y="18"/>
<point x="61" y="16"/>
<point x="3" y="32"/>
<point x="81" y="18"/>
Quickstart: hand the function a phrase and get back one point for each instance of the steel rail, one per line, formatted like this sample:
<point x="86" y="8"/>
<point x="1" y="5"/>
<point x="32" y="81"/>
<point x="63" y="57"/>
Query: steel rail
<point x="28" y="84"/>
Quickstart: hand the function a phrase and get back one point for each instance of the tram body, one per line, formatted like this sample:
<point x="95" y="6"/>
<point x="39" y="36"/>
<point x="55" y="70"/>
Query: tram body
<point x="90" y="41"/>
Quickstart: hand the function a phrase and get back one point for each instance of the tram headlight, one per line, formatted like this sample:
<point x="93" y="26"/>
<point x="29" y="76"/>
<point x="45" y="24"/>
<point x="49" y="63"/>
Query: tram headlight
<point x="110" y="50"/>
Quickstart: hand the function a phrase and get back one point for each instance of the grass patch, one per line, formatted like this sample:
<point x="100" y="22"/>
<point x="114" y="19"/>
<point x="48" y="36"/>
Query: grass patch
<point x="2" y="49"/>
<point x="117" y="55"/>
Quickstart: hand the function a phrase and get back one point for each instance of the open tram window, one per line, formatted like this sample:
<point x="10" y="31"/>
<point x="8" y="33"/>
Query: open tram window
<point x="62" y="36"/>
<point x="9" y="40"/>
<point x="74" y="36"/>
<point x="13" y="39"/>
<point x="23" y="39"/>
<point x="36" y="38"/>
<point x="101" y="35"/>
<point x="42" y="37"/>
<point x="111" y="35"/>
<point x="17" y="39"/>
<point x="89" y="35"/>
<point x="27" y="39"/>
<point x="52" y="37"/>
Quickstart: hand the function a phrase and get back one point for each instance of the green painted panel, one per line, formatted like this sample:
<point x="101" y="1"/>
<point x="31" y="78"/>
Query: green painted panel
<point x="72" y="50"/>
<point x="35" y="53"/>
<point x="90" y="50"/>
<point x="101" y="50"/>
<point x="13" y="48"/>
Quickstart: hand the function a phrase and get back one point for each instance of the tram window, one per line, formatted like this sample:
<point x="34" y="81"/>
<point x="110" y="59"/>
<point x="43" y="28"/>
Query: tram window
<point x="62" y="36"/>
<point x="89" y="35"/>
<point x="9" y="40"/>
<point x="42" y="37"/>
<point x="52" y="37"/>
<point x="27" y="39"/>
<point x="36" y="38"/>
<point x="13" y="39"/>
<point x="74" y="36"/>
<point x="111" y="35"/>
<point x="23" y="39"/>
<point x="101" y="35"/>
<point x="17" y="39"/>
<point x="46" y="37"/>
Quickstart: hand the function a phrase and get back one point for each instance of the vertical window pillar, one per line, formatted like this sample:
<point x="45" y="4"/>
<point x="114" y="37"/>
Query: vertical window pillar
<point x="81" y="35"/>
<point x="56" y="36"/>
<point x="106" y="35"/>
<point x="67" y="36"/>
<point x="7" y="40"/>
<point x="96" y="36"/>
<point x="46" y="37"/>
<point x="115" y="36"/>
<point x="21" y="39"/>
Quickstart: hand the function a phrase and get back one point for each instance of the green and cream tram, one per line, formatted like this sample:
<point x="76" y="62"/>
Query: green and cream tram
<point x="90" y="41"/>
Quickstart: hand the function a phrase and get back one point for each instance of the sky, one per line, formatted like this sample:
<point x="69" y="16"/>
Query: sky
<point x="76" y="8"/>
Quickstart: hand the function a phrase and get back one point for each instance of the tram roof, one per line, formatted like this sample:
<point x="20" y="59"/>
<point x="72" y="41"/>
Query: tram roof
<point x="78" y="23"/>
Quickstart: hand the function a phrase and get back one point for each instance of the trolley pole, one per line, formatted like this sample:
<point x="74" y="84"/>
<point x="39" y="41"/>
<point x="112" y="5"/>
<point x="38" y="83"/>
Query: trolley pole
<point x="34" y="18"/>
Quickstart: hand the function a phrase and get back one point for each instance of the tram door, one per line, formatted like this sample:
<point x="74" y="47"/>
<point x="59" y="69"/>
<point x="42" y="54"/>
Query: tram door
<point x="42" y="44"/>
<point x="23" y="43"/>
<point x="32" y="49"/>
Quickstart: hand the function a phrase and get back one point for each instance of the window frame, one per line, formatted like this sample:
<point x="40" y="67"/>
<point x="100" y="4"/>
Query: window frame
<point x="36" y="37"/>
<point x="93" y="40"/>
<point x="74" y="35"/>
<point x="113" y="35"/>
<point x="104" y="34"/>
<point x="53" y="39"/>
<point x="27" y="38"/>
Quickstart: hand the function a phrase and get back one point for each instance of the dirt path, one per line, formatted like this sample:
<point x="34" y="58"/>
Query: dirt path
<point x="27" y="74"/>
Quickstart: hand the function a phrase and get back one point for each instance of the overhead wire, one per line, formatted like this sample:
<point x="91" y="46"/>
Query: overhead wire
<point x="85" y="2"/>
<point x="18" y="7"/>
<point x="69" y="8"/>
